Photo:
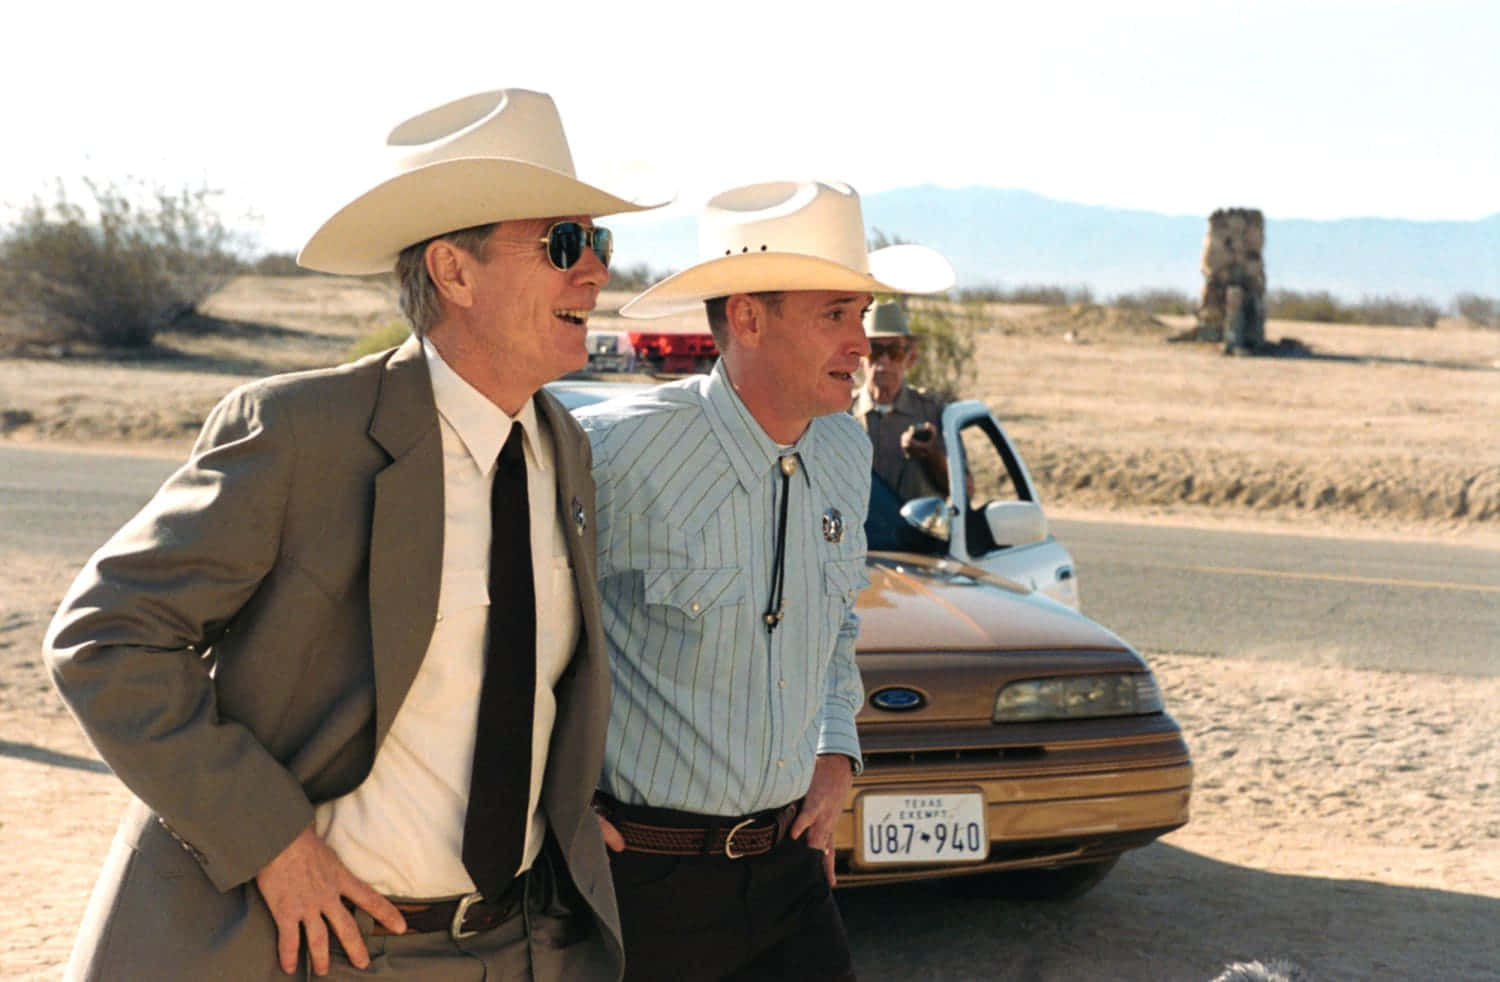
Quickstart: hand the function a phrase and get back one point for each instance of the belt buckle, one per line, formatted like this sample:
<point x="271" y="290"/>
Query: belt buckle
<point x="729" y="840"/>
<point x="456" y="929"/>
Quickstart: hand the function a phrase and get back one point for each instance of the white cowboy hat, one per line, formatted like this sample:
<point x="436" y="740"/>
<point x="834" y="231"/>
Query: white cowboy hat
<point x="886" y="319"/>
<point x="488" y="157"/>
<point x="787" y="235"/>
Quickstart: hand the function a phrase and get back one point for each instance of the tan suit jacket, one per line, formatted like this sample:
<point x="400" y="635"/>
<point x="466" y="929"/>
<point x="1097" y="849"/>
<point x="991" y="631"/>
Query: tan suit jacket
<point x="238" y="650"/>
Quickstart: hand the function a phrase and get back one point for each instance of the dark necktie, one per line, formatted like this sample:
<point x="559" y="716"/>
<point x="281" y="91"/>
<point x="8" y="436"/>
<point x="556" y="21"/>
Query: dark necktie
<point x="500" y="784"/>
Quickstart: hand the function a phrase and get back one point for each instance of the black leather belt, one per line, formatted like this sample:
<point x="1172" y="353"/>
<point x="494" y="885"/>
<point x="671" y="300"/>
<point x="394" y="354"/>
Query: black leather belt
<point x="667" y="832"/>
<point x="464" y="916"/>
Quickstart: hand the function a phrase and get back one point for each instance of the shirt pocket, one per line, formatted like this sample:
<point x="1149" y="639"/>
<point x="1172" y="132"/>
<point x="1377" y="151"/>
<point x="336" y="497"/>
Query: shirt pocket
<point x="695" y="592"/>
<point x="843" y="579"/>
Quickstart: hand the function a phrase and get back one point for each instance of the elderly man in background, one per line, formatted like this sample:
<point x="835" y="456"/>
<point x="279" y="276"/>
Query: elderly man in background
<point x="731" y="512"/>
<point x="349" y="658"/>
<point x="904" y="422"/>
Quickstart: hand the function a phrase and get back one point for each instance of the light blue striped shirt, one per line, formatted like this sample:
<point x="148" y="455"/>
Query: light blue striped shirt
<point x="711" y="712"/>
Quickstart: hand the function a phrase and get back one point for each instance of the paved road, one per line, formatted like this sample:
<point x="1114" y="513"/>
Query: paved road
<point x="1408" y="606"/>
<point x="1372" y="604"/>
<point x="67" y="503"/>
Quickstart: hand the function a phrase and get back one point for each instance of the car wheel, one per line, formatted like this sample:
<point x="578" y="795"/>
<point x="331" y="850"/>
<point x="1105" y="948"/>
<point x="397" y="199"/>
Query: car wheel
<point x="1057" y="883"/>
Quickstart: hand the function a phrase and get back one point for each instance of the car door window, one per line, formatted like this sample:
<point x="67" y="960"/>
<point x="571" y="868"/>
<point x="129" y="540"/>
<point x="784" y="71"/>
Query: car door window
<point x="991" y="474"/>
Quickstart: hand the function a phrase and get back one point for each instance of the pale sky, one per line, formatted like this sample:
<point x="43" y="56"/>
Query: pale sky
<point x="1303" y="108"/>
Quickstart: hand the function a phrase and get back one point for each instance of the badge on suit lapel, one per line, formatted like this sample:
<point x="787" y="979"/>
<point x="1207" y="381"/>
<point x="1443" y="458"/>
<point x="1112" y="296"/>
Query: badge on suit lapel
<point x="580" y="519"/>
<point x="833" y="525"/>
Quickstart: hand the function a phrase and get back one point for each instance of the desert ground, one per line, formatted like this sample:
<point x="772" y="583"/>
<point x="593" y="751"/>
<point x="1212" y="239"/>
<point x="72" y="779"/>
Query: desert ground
<point x="1343" y="820"/>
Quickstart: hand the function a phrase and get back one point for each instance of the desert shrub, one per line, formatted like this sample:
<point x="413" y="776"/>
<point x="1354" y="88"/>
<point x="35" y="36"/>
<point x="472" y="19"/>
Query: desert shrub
<point x="636" y="277"/>
<point x="1395" y="311"/>
<point x="1156" y="301"/>
<point x="120" y="271"/>
<point x="379" y="339"/>
<point x="1484" y="311"/>
<point x="1324" y="307"/>
<point x="1296" y="305"/>
<point x="1039" y="293"/>
<point x="1053" y="295"/>
<point x="946" y="336"/>
<point x="279" y="264"/>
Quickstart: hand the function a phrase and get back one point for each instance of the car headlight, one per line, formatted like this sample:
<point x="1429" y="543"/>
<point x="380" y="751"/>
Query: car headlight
<point x="1078" y="697"/>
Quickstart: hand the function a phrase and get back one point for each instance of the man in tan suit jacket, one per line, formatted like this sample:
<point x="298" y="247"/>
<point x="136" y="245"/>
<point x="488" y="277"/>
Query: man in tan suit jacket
<point x="281" y="654"/>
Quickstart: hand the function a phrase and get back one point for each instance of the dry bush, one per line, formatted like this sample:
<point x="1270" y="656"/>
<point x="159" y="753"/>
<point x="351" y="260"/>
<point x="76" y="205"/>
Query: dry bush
<point x="1156" y="301"/>
<point x="1043" y="293"/>
<point x="1324" y="307"/>
<point x="117" y="271"/>
<point x="280" y="264"/>
<point x="389" y="336"/>
<point x="946" y="337"/>
<point x="1483" y="311"/>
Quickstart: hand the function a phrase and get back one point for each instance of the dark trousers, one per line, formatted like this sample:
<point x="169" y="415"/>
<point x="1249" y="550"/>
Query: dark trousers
<point x="715" y="919"/>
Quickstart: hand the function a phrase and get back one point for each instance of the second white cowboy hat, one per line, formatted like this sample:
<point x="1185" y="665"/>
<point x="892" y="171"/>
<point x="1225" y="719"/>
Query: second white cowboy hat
<point x="788" y="235"/>
<point x="489" y="157"/>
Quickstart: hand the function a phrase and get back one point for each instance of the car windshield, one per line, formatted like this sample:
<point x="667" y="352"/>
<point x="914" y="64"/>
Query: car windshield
<point x="887" y="531"/>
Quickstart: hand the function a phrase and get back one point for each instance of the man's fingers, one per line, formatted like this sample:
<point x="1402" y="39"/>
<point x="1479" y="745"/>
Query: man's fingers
<point x="828" y="865"/>
<point x="365" y="897"/>
<point x="288" y="942"/>
<point x="612" y="837"/>
<point x="317" y="945"/>
<point x="347" y="931"/>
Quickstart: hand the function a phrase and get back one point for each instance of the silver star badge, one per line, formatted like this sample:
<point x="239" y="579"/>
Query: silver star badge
<point x="833" y="525"/>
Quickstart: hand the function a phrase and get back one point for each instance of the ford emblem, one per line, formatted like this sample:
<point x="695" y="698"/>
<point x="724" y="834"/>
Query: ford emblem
<point x="898" y="699"/>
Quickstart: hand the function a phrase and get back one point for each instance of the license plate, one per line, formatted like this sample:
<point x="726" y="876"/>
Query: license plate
<point x="922" y="827"/>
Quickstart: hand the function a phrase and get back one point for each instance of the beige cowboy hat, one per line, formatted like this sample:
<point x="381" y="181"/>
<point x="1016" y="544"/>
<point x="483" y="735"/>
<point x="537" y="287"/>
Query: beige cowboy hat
<point x="488" y="157"/>
<point x="886" y="319"/>
<point x="789" y="235"/>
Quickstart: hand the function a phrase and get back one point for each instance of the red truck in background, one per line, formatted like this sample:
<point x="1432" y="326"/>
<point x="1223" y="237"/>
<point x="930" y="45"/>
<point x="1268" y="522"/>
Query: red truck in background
<point x="652" y="352"/>
<point x="673" y="354"/>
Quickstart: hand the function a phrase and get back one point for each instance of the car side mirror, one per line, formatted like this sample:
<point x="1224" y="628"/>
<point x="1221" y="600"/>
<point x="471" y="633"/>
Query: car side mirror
<point x="1014" y="523"/>
<point x="929" y="516"/>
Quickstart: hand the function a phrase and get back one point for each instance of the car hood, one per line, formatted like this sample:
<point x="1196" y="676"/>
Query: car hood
<point x="922" y="603"/>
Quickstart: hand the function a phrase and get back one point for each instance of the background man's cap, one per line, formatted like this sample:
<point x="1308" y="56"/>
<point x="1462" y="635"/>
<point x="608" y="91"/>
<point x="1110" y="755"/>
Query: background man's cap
<point x="886" y="319"/>
<point x="789" y="235"/>
<point x="489" y="157"/>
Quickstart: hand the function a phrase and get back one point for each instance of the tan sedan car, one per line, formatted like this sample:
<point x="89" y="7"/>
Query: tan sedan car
<point x="1001" y="731"/>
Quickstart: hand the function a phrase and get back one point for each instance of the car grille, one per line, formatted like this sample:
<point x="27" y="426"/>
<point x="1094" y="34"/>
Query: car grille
<point x="950" y="755"/>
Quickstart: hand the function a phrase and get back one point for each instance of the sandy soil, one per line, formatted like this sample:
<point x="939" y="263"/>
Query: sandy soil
<point x="1343" y="819"/>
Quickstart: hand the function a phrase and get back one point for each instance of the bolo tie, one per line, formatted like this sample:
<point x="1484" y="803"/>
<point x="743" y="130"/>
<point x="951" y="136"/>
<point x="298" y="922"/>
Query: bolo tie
<point x="777" y="599"/>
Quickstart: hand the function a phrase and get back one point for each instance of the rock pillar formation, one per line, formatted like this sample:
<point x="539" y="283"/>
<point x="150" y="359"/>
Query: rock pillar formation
<point x="1232" y="308"/>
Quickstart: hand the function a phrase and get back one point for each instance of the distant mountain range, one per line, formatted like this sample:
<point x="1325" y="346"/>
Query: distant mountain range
<point x="1011" y="238"/>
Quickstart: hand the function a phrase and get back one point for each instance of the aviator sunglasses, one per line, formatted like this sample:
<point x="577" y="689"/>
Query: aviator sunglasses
<point x="566" y="241"/>
<point x="893" y="348"/>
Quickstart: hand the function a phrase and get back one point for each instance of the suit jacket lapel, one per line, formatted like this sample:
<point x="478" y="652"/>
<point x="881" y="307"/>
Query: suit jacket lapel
<point x="406" y="537"/>
<point x="575" y="488"/>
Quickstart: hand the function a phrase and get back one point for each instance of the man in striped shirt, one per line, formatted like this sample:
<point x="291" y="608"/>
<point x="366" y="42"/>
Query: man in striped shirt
<point x="731" y="544"/>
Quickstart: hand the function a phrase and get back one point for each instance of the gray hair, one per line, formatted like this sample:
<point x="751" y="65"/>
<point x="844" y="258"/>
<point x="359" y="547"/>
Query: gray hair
<point x="418" y="294"/>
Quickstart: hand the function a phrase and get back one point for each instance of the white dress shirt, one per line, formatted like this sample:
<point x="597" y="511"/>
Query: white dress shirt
<point x="402" y="829"/>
